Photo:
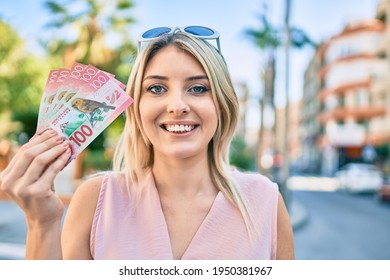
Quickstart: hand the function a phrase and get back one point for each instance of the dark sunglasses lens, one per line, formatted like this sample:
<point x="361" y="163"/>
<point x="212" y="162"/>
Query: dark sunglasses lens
<point x="199" y="30"/>
<point x="156" y="32"/>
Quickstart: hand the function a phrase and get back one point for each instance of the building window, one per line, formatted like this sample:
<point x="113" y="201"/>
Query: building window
<point x="361" y="98"/>
<point x="341" y="101"/>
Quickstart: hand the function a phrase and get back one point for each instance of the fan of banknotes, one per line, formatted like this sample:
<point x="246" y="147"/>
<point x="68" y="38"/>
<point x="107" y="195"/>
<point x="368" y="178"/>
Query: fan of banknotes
<point x="80" y="103"/>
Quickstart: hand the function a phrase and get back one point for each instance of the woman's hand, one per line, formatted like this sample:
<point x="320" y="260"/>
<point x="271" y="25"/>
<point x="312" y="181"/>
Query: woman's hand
<point x="29" y="177"/>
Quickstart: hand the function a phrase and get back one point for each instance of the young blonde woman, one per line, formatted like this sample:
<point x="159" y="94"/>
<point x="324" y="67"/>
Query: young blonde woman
<point x="172" y="193"/>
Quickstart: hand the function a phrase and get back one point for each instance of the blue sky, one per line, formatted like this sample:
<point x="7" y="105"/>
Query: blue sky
<point x="319" y="18"/>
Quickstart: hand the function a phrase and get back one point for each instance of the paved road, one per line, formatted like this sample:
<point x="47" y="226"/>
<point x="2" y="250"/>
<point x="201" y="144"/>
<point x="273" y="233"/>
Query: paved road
<point x="338" y="226"/>
<point x="342" y="226"/>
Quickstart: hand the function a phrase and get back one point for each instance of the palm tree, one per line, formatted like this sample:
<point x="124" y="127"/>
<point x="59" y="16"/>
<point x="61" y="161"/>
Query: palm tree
<point x="94" y="22"/>
<point x="269" y="38"/>
<point x="265" y="38"/>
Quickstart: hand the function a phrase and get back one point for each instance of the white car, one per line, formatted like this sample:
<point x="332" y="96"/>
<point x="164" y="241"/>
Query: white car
<point x="360" y="177"/>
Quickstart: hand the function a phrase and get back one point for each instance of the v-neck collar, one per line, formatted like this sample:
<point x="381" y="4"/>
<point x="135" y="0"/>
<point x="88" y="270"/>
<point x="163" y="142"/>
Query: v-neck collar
<point x="164" y="225"/>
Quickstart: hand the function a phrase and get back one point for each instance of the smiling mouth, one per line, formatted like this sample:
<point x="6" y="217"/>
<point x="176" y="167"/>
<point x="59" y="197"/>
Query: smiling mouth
<point x="179" y="128"/>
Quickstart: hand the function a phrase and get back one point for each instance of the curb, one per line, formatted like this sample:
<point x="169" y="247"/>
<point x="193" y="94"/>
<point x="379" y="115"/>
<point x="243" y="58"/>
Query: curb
<point x="298" y="214"/>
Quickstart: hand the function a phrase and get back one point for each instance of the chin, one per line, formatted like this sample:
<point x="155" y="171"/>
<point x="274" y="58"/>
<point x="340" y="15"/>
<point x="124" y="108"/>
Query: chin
<point x="183" y="153"/>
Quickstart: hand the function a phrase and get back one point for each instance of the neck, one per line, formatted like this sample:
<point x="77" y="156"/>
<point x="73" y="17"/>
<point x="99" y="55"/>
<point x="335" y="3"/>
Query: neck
<point x="186" y="177"/>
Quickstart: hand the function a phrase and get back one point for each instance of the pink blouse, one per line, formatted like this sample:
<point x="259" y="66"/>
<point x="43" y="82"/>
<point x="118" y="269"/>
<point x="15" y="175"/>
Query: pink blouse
<point x="125" y="229"/>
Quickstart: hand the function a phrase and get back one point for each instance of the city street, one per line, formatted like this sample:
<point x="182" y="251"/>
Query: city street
<point x="342" y="226"/>
<point x="336" y="225"/>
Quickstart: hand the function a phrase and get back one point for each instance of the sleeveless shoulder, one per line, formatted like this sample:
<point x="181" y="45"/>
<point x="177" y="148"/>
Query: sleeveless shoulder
<point x="253" y="181"/>
<point x="78" y="221"/>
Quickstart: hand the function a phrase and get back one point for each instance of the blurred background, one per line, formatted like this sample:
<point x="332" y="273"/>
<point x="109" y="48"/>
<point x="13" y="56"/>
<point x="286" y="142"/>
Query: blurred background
<point x="313" y="82"/>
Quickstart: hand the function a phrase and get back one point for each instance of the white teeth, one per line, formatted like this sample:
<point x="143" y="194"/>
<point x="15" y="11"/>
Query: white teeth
<point x="179" y="128"/>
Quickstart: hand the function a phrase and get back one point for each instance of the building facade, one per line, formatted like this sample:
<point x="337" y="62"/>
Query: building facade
<point x="346" y="101"/>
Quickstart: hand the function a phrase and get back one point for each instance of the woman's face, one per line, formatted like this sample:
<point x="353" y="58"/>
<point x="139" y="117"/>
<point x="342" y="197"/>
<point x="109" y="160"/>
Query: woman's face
<point x="177" y="110"/>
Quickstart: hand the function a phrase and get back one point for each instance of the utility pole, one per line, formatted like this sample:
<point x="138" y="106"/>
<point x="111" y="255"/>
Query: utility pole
<point x="284" y="172"/>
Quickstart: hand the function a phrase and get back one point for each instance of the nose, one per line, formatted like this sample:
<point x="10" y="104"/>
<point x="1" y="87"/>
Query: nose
<point x="177" y="104"/>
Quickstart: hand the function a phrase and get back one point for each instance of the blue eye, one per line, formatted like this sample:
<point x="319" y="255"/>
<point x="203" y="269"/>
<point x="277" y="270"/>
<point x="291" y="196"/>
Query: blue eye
<point x="198" y="89"/>
<point x="157" y="89"/>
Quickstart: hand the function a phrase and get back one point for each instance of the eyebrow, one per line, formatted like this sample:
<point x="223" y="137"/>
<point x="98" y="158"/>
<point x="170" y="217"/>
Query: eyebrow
<point x="192" y="78"/>
<point x="155" y="77"/>
<point x="198" y="77"/>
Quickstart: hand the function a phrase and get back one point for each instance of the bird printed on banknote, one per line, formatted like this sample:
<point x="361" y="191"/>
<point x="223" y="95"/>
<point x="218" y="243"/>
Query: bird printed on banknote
<point x="89" y="107"/>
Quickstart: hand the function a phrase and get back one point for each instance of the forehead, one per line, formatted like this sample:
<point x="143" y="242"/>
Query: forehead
<point x="173" y="58"/>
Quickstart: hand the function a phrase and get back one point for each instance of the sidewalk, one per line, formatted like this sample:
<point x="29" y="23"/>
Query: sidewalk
<point x="12" y="231"/>
<point x="12" y="251"/>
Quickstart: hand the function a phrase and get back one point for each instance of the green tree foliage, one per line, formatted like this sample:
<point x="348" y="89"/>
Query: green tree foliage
<point x="22" y="79"/>
<point x="241" y="156"/>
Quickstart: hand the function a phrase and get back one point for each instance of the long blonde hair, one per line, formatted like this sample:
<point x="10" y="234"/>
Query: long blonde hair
<point x="134" y="152"/>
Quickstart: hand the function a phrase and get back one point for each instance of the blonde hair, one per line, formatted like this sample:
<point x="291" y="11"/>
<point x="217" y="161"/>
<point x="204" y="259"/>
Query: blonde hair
<point x="134" y="152"/>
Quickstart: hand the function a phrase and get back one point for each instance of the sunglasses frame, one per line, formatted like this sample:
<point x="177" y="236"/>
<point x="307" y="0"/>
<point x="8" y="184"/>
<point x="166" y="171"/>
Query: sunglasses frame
<point x="214" y="36"/>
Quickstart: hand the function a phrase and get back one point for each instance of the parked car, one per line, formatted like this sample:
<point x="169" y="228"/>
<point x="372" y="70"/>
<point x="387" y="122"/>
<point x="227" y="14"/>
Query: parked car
<point x="360" y="177"/>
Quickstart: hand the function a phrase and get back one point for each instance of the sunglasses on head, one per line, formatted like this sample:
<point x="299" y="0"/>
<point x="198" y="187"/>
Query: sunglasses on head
<point x="200" y="32"/>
